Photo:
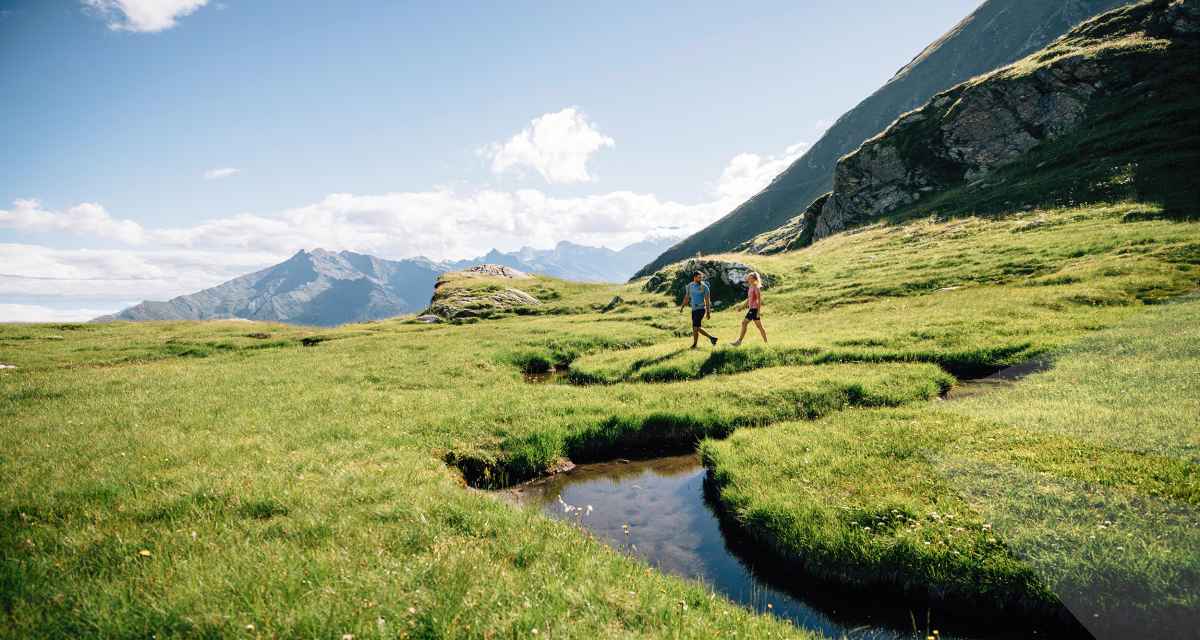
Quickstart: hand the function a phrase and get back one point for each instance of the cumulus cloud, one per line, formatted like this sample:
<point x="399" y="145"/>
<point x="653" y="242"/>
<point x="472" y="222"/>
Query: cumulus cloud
<point x="223" y="172"/>
<point x="748" y="173"/>
<point x="87" y="219"/>
<point x="145" y="16"/>
<point x="441" y="223"/>
<point x="556" y="145"/>
<point x="34" y="271"/>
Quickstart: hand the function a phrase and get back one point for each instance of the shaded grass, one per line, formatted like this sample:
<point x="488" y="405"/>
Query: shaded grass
<point x="1077" y="485"/>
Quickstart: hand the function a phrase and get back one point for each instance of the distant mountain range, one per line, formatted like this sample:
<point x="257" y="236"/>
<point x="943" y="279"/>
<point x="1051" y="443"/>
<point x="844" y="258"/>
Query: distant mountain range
<point x="571" y="261"/>
<point x="995" y="34"/>
<point x="320" y="287"/>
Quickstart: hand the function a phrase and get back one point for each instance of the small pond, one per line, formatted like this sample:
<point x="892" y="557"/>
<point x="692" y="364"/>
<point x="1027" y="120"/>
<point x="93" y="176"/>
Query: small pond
<point x="657" y="510"/>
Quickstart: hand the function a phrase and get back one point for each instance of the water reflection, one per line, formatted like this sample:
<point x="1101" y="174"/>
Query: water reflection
<point x="655" y="510"/>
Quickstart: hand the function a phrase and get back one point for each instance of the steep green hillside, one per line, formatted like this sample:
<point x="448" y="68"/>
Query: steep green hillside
<point x="1104" y="113"/>
<point x="995" y="34"/>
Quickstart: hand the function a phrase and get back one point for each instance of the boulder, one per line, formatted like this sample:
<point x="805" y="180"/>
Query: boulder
<point x="473" y="293"/>
<point x="612" y="304"/>
<point x="726" y="279"/>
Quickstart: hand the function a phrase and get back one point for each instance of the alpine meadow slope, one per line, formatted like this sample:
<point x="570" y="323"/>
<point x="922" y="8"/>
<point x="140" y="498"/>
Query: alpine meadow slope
<point x="183" y="479"/>
<point x="995" y="34"/>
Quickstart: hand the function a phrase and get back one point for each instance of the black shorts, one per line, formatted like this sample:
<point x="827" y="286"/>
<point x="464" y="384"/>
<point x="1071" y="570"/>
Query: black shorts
<point x="752" y="314"/>
<point x="697" y="317"/>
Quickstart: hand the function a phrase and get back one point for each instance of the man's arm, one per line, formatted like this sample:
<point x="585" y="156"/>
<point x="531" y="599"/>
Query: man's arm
<point x="707" y="303"/>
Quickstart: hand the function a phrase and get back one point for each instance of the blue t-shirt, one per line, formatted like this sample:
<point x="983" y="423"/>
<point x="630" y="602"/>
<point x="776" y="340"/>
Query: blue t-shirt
<point x="697" y="293"/>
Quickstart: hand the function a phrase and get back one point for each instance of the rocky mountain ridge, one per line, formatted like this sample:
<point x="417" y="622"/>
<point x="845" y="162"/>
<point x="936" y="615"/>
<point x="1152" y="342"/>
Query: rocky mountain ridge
<point x="962" y="135"/>
<point x="316" y="287"/>
<point x="995" y="34"/>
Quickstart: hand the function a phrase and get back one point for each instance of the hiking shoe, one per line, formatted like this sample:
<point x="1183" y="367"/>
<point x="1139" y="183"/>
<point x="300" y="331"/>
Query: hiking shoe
<point x="736" y="343"/>
<point x="714" y="340"/>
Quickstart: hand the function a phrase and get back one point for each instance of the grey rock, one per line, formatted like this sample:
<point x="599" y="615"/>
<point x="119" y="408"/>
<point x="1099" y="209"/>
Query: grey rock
<point x="455" y="298"/>
<point x="726" y="279"/>
<point x="612" y="304"/>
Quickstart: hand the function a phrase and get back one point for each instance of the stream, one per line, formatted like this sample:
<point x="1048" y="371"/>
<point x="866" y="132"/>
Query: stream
<point x="657" y="510"/>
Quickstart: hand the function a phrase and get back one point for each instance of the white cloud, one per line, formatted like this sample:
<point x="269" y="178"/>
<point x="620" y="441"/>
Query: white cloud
<point x="223" y="172"/>
<point x="39" y="313"/>
<point x="748" y="173"/>
<point x="556" y="145"/>
<point x="442" y="223"/>
<point x="146" y="16"/>
<point x="83" y="219"/>
<point x="89" y="274"/>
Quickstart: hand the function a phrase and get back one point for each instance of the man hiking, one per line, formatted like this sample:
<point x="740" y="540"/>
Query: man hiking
<point x="699" y="294"/>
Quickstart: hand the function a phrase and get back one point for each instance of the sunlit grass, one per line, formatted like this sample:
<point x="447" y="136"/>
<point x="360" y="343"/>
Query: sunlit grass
<point x="310" y="465"/>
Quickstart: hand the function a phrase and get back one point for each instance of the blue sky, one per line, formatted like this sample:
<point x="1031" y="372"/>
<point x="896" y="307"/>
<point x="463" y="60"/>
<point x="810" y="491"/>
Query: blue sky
<point x="155" y="147"/>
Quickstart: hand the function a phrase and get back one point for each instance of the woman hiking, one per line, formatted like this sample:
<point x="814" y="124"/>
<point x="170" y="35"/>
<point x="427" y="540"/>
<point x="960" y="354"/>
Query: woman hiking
<point x="754" y="305"/>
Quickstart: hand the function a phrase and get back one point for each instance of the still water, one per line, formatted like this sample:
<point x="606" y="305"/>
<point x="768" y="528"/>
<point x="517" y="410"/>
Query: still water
<point x="656" y="510"/>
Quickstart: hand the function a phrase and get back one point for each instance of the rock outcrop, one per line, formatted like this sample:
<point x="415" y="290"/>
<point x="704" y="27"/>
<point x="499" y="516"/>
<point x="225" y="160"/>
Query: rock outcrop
<point x="486" y="271"/>
<point x="478" y="292"/>
<point x="726" y="279"/>
<point x="963" y="134"/>
<point x="793" y="234"/>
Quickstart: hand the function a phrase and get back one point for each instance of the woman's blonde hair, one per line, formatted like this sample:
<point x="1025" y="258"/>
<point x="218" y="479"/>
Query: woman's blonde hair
<point x="754" y="274"/>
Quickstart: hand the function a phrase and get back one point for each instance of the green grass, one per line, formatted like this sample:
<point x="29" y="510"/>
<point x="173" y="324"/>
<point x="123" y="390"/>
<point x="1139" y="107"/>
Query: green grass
<point x="316" y="478"/>
<point x="1079" y="484"/>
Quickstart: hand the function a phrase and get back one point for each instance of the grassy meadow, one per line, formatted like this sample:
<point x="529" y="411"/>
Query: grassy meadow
<point x="231" y="479"/>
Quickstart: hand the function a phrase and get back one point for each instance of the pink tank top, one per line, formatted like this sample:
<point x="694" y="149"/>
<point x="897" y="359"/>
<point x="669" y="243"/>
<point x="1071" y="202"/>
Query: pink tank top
<point x="755" y="298"/>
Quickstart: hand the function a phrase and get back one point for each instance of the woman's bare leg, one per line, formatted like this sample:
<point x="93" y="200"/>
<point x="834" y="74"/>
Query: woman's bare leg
<point x="743" y="334"/>
<point x="761" y="330"/>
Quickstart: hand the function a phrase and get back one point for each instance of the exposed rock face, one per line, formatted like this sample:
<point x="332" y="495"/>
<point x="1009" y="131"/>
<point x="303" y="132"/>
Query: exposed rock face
<point x="964" y="133"/>
<point x="315" y="287"/>
<point x="457" y="295"/>
<point x="793" y="234"/>
<point x="726" y="279"/>
<point x="995" y="34"/>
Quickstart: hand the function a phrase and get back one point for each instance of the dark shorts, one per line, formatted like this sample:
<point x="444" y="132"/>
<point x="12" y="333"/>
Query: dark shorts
<point x="697" y="317"/>
<point x="752" y="314"/>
